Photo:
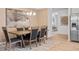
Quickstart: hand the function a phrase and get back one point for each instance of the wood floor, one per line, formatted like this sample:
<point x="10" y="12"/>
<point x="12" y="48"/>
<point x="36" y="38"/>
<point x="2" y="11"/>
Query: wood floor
<point x="57" y="42"/>
<point x="61" y="43"/>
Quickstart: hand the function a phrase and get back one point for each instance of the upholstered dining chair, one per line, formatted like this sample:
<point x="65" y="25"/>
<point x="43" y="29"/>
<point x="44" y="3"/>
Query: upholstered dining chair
<point x="26" y="28"/>
<point x="10" y="41"/>
<point x="26" y="35"/>
<point x="19" y="29"/>
<point x="42" y="35"/>
<point x="46" y="30"/>
<point x="32" y="37"/>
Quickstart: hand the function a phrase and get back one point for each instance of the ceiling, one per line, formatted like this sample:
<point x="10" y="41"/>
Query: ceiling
<point x="59" y="9"/>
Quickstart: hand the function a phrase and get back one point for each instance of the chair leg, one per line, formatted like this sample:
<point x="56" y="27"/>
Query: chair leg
<point x="6" y="46"/>
<point x="36" y="43"/>
<point x="30" y="45"/>
<point x="23" y="41"/>
<point x="44" y="41"/>
<point x="40" y="42"/>
<point x="10" y="46"/>
<point x="21" y="44"/>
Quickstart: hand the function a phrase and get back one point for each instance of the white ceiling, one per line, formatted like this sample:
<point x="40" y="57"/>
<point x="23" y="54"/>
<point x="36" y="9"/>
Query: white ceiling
<point x="58" y="9"/>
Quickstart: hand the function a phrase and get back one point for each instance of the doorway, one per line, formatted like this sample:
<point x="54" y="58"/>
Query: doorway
<point x="58" y="22"/>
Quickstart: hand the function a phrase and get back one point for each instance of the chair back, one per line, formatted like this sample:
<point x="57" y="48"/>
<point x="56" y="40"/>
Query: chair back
<point x="26" y="28"/>
<point x="42" y="33"/>
<point x="46" y="30"/>
<point x="19" y="29"/>
<point x="5" y="33"/>
<point x="34" y="34"/>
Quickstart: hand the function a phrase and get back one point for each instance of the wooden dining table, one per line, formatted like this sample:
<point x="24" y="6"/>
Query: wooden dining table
<point x="20" y="33"/>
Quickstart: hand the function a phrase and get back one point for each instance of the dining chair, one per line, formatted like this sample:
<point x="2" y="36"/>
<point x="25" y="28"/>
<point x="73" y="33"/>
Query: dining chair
<point x="42" y="35"/>
<point x="18" y="36"/>
<point x="32" y="37"/>
<point x="9" y="40"/>
<point x="26" y="28"/>
<point x="20" y="29"/>
<point x="46" y="32"/>
<point x="26" y="35"/>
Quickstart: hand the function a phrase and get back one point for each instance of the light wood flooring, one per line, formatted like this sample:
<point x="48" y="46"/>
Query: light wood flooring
<point x="61" y="43"/>
<point x="57" y="42"/>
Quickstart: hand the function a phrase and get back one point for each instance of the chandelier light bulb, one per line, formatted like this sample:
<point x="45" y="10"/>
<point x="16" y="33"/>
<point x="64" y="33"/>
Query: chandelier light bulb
<point x="30" y="13"/>
<point x="27" y="13"/>
<point x="34" y="13"/>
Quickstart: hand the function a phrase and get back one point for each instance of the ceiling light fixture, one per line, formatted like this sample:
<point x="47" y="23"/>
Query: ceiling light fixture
<point x="31" y="13"/>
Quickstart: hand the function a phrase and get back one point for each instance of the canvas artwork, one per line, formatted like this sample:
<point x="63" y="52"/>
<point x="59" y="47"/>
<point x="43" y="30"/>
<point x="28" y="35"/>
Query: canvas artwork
<point x="64" y="20"/>
<point x="16" y="18"/>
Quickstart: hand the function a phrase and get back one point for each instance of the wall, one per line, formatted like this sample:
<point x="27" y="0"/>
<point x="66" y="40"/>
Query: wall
<point x="33" y="19"/>
<point x="2" y="23"/>
<point x="75" y="10"/>
<point x="42" y="17"/>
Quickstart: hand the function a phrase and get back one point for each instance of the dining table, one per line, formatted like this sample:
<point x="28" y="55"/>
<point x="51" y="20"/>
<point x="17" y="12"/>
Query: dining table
<point x="20" y="33"/>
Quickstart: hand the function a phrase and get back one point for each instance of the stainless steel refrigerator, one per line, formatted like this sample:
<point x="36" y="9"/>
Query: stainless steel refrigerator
<point x="74" y="27"/>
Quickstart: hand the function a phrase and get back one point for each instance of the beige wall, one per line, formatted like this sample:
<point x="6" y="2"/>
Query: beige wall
<point x="33" y="19"/>
<point x="42" y="17"/>
<point x="2" y="22"/>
